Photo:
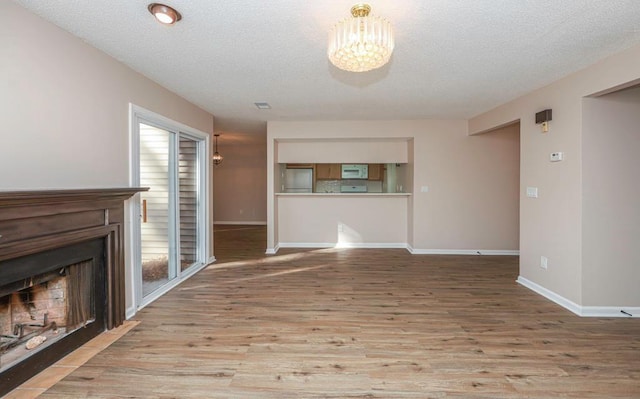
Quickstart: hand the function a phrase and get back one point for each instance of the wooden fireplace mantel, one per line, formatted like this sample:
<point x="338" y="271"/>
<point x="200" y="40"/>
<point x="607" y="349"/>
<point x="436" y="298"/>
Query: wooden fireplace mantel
<point x="34" y="221"/>
<point x="21" y="198"/>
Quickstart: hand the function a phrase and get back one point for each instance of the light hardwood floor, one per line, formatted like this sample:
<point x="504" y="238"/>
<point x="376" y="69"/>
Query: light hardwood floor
<point x="356" y="323"/>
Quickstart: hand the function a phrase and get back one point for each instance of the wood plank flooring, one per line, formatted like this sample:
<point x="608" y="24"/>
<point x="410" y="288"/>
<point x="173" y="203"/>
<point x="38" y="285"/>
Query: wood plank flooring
<point x="356" y="323"/>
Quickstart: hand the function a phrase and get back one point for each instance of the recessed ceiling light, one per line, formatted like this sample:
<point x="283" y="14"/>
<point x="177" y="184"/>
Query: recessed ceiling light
<point x="263" y="105"/>
<point x="164" y="14"/>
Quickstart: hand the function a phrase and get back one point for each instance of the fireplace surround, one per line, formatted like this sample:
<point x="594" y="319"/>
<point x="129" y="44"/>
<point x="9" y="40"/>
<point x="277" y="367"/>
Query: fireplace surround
<point x="61" y="274"/>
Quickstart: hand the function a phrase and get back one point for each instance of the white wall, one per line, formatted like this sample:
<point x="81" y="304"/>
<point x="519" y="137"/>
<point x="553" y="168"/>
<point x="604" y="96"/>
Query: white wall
<point x="64" y="108"/>
<point x="471" y="203"/>
<point x="552" y="224"/>
<point x="611" y="212"/>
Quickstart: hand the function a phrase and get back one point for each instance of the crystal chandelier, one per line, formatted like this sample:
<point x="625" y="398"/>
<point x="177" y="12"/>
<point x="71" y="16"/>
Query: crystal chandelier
<point x="360" y="43"/>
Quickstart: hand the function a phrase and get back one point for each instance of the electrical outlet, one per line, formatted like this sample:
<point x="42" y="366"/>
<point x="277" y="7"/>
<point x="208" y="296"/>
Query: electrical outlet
<point x="556" y="156"/>
<point x="544" y="262"/>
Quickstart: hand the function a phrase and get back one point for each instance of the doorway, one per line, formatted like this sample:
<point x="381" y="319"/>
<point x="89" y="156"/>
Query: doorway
<point x="170" y="235"/>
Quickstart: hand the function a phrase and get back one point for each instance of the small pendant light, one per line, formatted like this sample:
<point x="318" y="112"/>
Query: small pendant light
<point x="217" y="158"/>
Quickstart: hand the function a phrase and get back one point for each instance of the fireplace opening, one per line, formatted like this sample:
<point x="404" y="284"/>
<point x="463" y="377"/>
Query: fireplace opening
<point x="38" y="311"/>
<point x="51" y="303"/>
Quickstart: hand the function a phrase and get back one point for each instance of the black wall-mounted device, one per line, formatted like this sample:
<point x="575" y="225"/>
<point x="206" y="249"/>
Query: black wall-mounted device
<point x="543" y="116"/>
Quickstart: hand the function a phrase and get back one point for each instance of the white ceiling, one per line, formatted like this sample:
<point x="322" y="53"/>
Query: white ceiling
<point x="453" y="58"/>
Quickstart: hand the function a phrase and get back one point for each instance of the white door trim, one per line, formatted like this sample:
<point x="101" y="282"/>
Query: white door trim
<point x="139" y="114"/>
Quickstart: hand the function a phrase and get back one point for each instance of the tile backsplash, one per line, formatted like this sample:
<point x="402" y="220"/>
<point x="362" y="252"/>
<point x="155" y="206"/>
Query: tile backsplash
<point x="327" y="186"/>
<point x="333" y="186"/>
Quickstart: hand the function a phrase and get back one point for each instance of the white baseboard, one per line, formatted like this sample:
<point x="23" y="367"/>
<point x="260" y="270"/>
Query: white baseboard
<point x="306" y="245"/>
<point x="249" y="223"/>
<point x="397" y="245"/>
<point x="611" y="311"/>
<point x="130" y="312"/>
<point x="211" y="260"/>
<point x="272" y="251"/>
<point x="550" y="295"/>
<point x="371" y="245"/>
<point x="508" y="252"/>
<point x="583" y="311"/>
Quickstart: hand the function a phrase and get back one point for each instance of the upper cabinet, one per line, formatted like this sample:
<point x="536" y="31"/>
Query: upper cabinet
<point x="328" y="171"/>
<point x="299" y="166"/>
<point x="333" y="171"/>
<point x="376" y="171"/>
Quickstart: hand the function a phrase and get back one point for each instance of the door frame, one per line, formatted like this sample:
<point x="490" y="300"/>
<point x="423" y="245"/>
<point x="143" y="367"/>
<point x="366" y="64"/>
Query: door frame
<point x="137" y="114"/>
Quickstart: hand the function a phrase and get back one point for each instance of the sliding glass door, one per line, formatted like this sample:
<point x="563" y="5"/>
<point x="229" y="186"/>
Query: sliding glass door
<point x="188" y="200"/>
<point x="158" y="254"/>
<point x="171" y="242"/>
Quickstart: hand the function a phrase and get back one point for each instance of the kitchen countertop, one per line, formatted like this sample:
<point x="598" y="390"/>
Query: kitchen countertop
<point x="343" y="194"/>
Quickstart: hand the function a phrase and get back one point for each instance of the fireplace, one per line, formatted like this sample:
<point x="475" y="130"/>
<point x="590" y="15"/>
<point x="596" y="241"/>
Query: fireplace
<point x="61" y="275"/>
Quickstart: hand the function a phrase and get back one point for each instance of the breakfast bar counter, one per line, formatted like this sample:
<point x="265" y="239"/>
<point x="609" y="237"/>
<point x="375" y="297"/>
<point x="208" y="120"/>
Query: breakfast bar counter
<point x="373" y="220"/>
<point x="343" y="194"/>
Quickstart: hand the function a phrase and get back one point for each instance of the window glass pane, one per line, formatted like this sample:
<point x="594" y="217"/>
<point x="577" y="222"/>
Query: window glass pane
<point x="188" y="198"/>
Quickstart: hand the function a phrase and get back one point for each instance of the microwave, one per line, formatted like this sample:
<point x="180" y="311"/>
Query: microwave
<point x="355" y="171"/>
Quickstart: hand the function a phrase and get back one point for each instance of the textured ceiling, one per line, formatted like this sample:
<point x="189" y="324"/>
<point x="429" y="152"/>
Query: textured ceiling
<point x="453" y="58"/>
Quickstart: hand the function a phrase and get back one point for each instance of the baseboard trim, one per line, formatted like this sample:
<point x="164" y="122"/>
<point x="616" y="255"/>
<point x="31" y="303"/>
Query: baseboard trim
<point x="370" y="245"/>
<point x="306" y="245"/>
<point x="506" y="252"/>
<point x="611" y="311"/>
<point x="582" y="311"/>
<point x="211" y="260"/>
<point x="550" y="295"/>
<point x="406" y="246"/>
<point x="272" y="251"/>
<point x="130" y="312"/>
<point x="248" y="223"/>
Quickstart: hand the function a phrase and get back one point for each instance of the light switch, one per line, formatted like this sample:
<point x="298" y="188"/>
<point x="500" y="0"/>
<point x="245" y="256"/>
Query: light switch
<point x="424" y="189"/>
<point x="532" y="192"/>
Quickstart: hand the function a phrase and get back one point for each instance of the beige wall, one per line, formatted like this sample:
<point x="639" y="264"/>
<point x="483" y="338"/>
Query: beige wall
<point x="346" y="220"/>
<point x="471" y="203"/>
<point x="64" y="108"/>
<point x="240" y="182"/>
<point x="610" y="212"/>
<point x="552" y="224"/>
<point x="343" y="151"/>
